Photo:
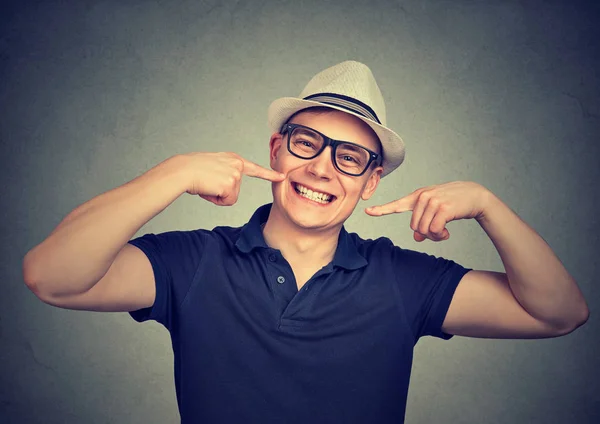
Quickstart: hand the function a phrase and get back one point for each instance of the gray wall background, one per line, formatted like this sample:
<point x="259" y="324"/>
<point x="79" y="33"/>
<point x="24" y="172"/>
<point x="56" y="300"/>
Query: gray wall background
<point x="95" y="93"/>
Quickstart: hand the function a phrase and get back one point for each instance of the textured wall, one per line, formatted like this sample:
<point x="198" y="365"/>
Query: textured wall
<point x="95" y="93"/>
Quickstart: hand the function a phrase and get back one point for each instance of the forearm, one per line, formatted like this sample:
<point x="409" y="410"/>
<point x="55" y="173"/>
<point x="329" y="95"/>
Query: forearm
<point x="536" y="276"/>
<point x="81" y="249"/>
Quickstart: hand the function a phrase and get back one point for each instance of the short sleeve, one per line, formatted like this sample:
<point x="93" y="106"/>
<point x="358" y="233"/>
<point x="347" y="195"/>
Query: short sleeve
<point x="175" y="257"/>
<point x="427" y="284"/>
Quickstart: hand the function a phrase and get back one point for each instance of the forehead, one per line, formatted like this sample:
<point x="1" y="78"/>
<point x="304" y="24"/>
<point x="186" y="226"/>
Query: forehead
<point x="339" y="126"/>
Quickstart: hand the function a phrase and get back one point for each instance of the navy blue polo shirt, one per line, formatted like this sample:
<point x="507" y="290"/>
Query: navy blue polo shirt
<point x="249" y="347"/>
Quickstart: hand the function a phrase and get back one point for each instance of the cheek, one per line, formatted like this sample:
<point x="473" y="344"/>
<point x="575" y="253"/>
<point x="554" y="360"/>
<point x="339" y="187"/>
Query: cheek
<point x="358" y="188"/>
<point x="281" y="163"/>
<point x="351" y="189"/>
<point x="287" y="162"/>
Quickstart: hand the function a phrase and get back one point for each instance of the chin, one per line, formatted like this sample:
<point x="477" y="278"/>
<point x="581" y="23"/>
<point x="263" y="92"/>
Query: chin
<point x="305" y="222"/>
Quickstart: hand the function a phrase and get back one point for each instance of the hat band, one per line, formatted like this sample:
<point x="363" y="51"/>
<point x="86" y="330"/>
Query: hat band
<point x="348" y="103"/>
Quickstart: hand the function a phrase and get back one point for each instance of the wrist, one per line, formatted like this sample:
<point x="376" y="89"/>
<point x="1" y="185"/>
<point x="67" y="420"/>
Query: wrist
<point x="489" y="203"/>
<point x="178" y="167"/>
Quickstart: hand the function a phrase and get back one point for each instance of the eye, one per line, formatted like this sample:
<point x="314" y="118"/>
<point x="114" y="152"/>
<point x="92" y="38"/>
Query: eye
<point x="304" y="143"/>
<point x="349" y="159"/>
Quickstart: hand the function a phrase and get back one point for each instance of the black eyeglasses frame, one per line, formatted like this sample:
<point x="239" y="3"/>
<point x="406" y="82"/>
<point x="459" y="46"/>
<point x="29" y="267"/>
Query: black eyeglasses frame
<point x="327" y="141"/>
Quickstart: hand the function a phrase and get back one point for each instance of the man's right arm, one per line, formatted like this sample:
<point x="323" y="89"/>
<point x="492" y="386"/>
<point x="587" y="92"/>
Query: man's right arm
<point x="86" y="262"/>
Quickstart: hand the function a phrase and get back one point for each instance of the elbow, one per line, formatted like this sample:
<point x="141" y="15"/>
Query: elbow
<point x="28" y="275"/>
<point x="31" y="280"/>
<point x="38" y="291"/>
<point x="585" y="315"/>
<point x="585" y="318"/>
<point x="578" y="323"/>
<point x="33" y="285"/>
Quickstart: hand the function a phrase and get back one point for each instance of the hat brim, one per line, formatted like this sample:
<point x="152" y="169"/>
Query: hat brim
<point x="393" y="147"/>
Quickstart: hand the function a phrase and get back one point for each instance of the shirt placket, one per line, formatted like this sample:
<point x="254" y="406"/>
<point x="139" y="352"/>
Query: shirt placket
<point x="281" y="278"/>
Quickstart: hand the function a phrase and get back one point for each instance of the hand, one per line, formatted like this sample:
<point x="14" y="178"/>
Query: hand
<point x="217" y="177"/>
<point x="434" y="206"/>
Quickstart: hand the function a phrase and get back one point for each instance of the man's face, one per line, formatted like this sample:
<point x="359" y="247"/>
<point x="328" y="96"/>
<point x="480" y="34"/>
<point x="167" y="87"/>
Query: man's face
<point x="320" y="175"/>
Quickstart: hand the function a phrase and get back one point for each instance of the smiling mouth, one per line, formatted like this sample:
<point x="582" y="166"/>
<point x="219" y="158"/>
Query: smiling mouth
<point x="315" y="196"/>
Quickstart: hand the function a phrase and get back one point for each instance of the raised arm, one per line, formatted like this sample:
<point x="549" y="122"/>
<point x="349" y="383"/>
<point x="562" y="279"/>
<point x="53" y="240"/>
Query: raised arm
<point x="86" y="262"/>
<point x="535" y="298"/>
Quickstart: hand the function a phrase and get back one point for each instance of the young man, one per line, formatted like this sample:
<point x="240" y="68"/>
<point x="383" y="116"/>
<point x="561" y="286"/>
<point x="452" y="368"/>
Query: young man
<point x="290" y="318"/>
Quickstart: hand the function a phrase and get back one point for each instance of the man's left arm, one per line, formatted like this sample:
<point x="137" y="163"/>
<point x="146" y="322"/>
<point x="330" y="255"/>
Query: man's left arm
<point x="536" y="297"/>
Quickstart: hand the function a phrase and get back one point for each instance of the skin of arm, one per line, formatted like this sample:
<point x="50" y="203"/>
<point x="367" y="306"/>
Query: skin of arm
<point x="536" y="279"/>
<point x="536" y="276"/>
<point x="81" y="249"/>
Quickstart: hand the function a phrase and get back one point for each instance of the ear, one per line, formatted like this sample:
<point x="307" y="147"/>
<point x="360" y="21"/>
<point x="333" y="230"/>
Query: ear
<point x="275" y="144"/>
<point x="372" y="183"/>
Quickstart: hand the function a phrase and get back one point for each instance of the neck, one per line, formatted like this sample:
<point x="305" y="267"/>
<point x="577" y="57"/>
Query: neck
<point x="300" y="245"/>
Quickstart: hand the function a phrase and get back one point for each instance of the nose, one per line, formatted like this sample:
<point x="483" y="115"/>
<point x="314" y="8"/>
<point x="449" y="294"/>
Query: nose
<point x="321" y="166"/>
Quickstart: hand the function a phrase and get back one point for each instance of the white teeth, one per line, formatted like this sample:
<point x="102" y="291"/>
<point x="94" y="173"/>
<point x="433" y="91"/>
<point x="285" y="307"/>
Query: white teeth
<point x="313" y="195"/>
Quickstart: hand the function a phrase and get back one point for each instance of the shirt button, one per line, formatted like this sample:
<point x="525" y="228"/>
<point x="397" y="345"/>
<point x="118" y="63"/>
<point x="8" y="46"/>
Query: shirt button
<point x="280" y="279"/>
<point x="272" y="258"/>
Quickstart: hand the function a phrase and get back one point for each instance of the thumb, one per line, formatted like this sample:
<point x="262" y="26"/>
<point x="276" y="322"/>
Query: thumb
<point x="418" y="236"/>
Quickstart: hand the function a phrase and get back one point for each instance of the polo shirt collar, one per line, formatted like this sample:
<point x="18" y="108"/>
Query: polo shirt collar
<point x="250" y="237"/>
<point x="251" y="234"/>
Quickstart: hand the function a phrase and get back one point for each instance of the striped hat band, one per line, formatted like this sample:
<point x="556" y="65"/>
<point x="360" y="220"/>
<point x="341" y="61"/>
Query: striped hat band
<point x="348" y="103"/>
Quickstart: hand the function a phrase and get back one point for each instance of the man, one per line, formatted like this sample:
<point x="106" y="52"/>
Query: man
<point x="290" y="318"/>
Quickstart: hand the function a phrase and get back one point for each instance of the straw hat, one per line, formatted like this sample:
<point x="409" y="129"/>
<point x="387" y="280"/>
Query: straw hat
<point x="349" y="87"/>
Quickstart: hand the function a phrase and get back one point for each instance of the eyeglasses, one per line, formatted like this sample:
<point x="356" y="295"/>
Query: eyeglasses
<point x="348" y="158"/>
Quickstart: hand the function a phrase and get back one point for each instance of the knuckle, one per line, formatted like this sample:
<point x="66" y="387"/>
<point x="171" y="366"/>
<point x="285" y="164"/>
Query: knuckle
<point x="235" y="159"/>
<point x="222" y="192"/>
<point x="425" y="196"/>
<point x="436" y="228"/>
<point x="237" y="163"/>
<point x="232" y="181"/>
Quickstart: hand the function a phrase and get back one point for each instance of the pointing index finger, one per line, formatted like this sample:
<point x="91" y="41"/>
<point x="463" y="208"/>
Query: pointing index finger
<point x="403" y="204"/>
<point x="254" y="170"/>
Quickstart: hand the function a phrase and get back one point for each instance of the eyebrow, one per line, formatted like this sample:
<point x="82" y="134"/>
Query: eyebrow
<point x="350" y="146"/>
<point x="314" y="133"/>
<point x="307" y="132"/>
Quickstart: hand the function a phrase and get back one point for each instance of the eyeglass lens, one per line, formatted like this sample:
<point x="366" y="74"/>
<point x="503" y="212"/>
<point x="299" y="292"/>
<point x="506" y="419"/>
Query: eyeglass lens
<point x="348" y="157"/>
